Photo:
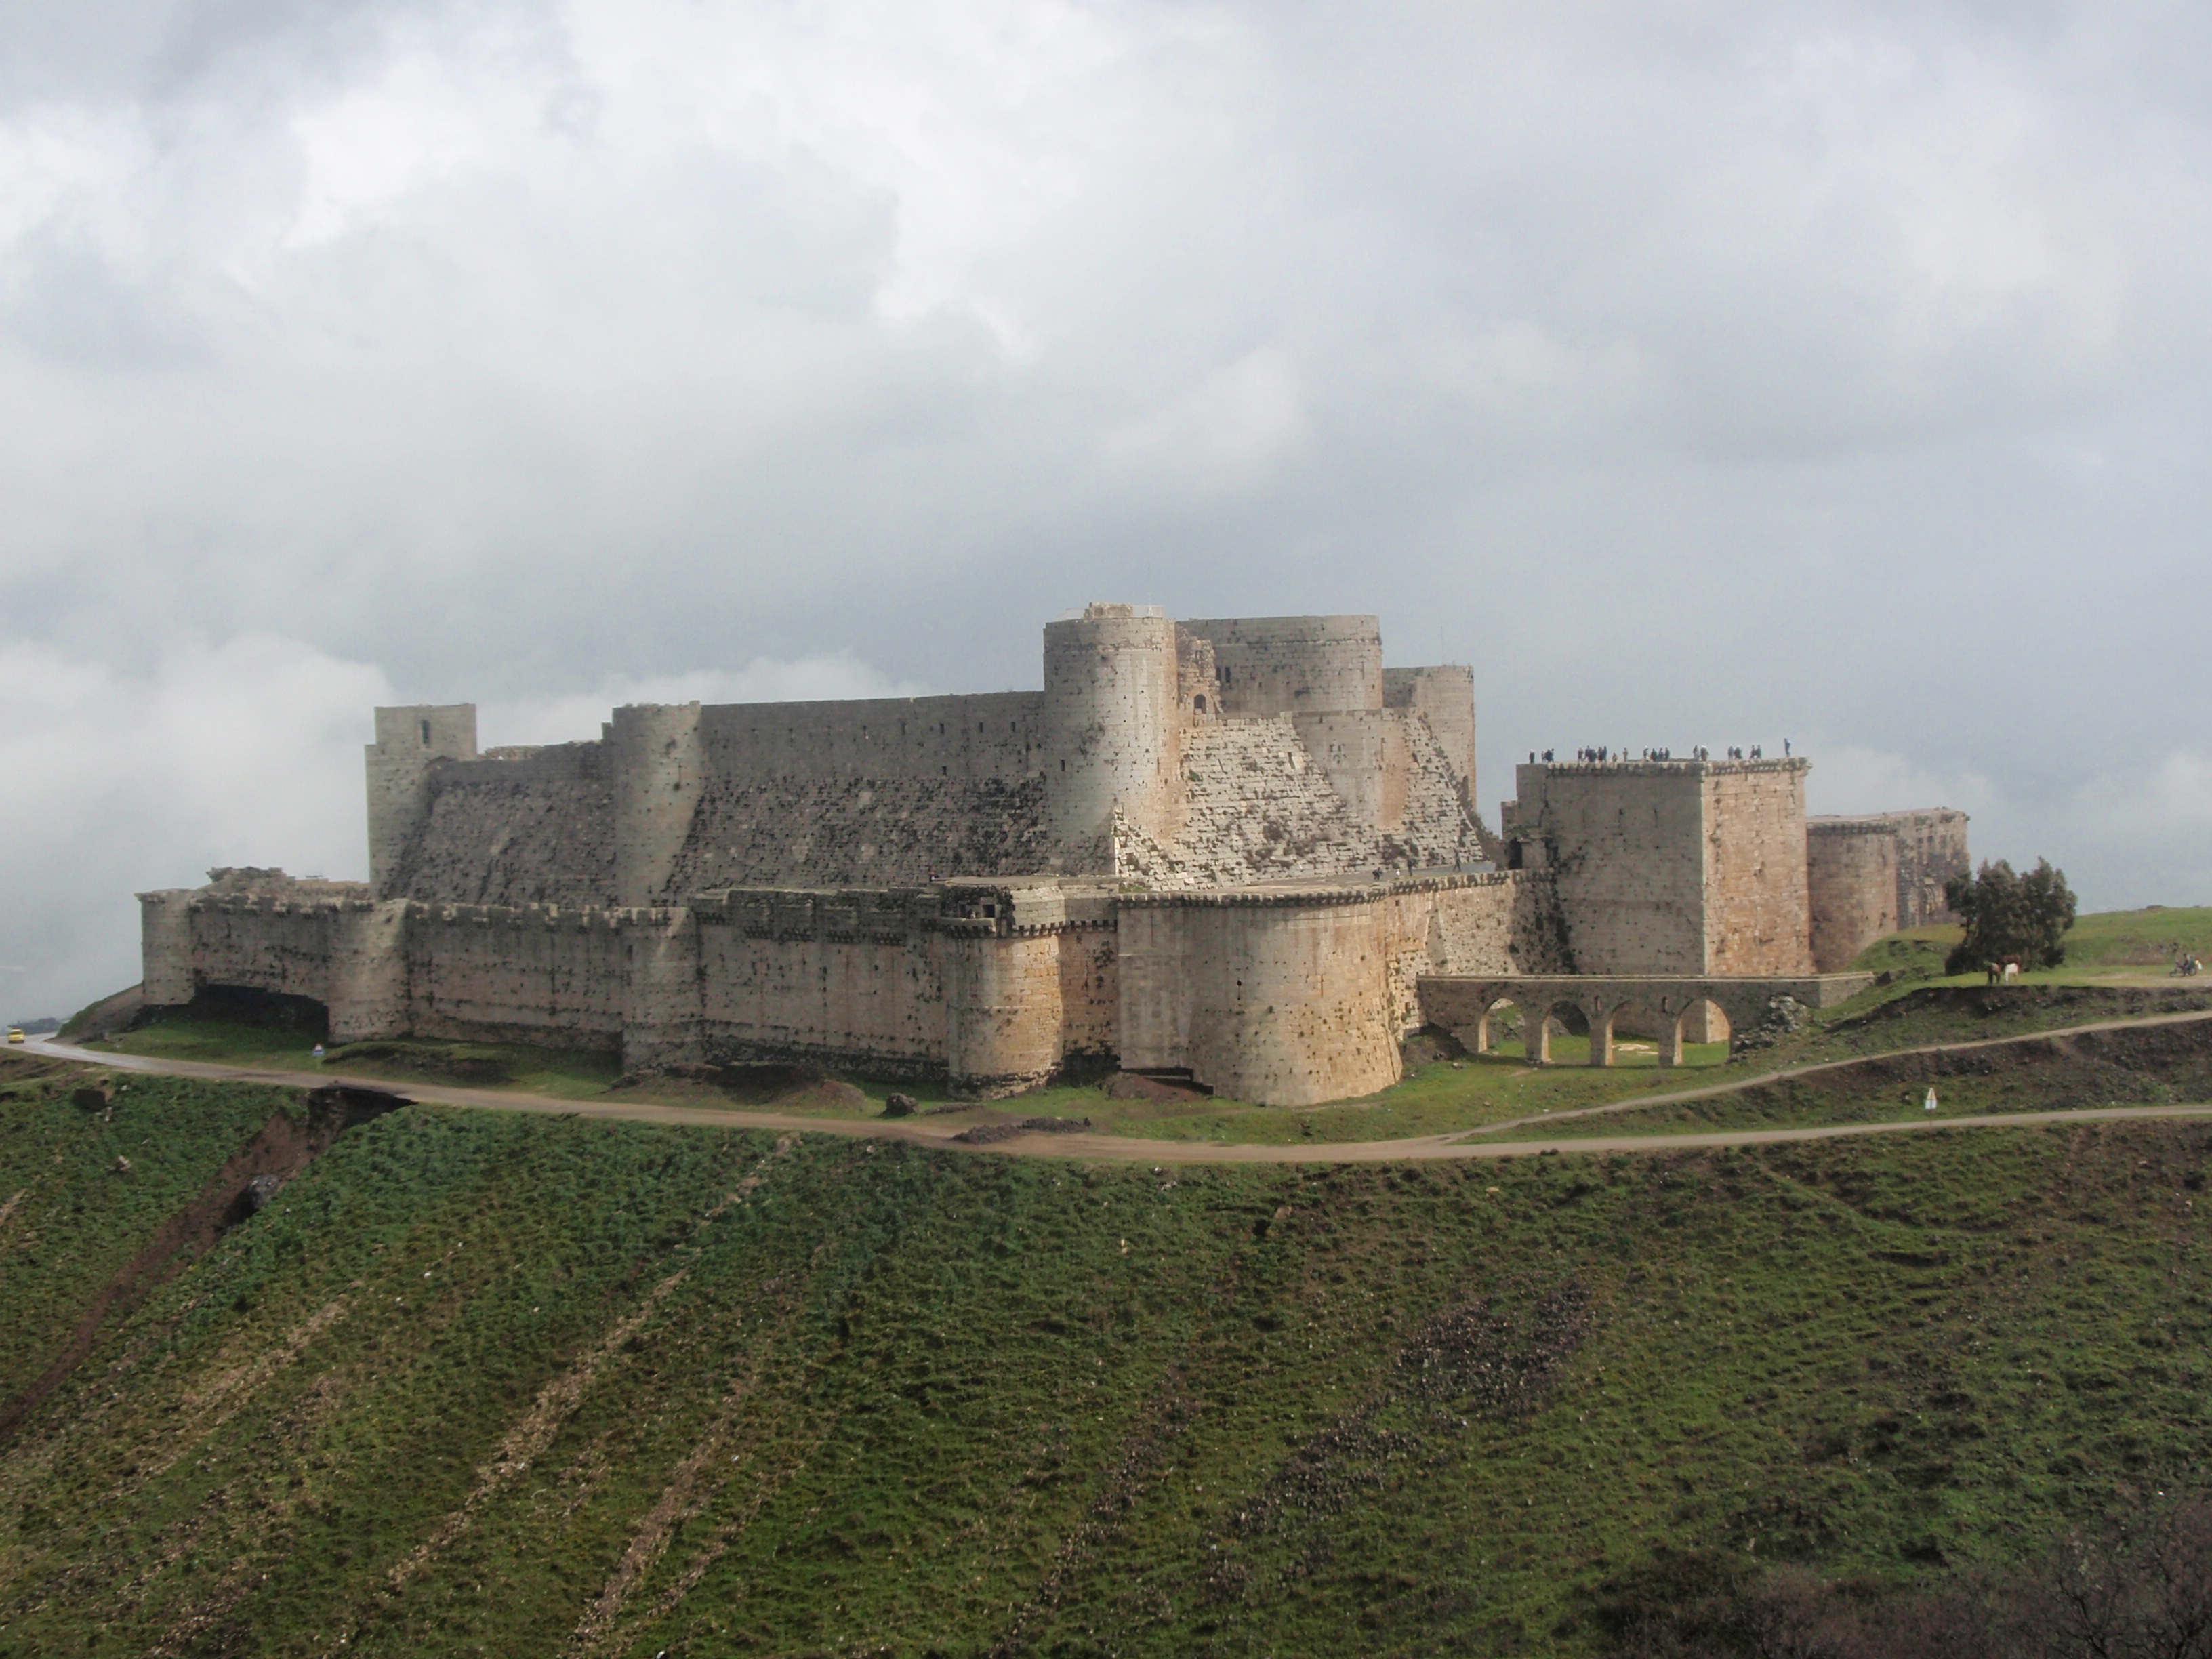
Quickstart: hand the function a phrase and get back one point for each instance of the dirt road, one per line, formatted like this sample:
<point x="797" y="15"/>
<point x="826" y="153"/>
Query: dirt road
<point x="1457" y="1144"/>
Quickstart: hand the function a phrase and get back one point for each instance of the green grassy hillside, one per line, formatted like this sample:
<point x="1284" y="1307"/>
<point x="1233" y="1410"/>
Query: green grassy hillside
<point x="477" y="1383"/>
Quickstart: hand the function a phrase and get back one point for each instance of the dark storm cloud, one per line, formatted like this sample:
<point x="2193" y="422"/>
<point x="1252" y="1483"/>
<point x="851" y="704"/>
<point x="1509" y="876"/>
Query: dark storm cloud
<point x="1715" y="373"/>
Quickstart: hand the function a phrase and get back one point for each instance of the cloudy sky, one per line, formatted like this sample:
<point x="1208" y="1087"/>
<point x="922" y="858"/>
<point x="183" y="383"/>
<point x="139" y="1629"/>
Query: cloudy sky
<point x="1714" y="373"/>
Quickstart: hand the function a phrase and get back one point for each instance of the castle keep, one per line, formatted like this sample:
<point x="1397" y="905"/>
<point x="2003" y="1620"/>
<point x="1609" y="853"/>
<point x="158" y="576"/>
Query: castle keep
<point x="1237" y="850"/>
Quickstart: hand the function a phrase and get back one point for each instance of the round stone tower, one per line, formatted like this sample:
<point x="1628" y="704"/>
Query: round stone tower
<point x="1113" y="729"/>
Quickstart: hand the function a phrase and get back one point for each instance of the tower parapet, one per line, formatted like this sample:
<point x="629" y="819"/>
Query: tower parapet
<point x="1113" y="729"/>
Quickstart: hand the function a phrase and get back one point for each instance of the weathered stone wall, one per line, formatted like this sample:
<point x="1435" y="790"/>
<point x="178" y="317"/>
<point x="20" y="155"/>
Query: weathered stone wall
<point x="1285" y="1002"/>
<point x="1931" y="848"/>
<point x="533" y="827"/>
<point x="850" y="979"/>
<point x="1294" y="996"/>
<point x="1362" y="753"/>
<point x="998" y="735"/>
<point x="681" y="799"/>
<point x="785" y="831"/>
<point x="1295" y="665"/>
<point x="1672" y="867"/>
<point x="1851" y="878"/>
<point x="542" y="975"/>
<point x="1260" y="805"/>
<point x="1256" y="807"/>
<point x="166" y="948"/>
<point x="1625" y="845"/>
<point x="1437" y="828"/>
<point x="1758" y="914"/>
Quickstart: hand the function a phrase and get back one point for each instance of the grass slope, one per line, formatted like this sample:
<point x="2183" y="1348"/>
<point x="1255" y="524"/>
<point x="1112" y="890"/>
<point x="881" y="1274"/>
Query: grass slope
<point x="482" y="1384"/>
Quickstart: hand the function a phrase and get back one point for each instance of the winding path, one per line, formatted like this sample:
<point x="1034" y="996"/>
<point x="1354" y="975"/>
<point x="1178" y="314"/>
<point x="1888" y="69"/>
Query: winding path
<point x="1474" y="1143"/>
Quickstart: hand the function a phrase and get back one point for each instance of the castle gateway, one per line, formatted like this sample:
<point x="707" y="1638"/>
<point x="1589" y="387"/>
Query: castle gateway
<point x="1237" y="850"/>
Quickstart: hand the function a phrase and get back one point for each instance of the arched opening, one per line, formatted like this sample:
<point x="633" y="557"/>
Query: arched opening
<point x="1634" y="1034"/>
<point x="1499" y="1031"/>
<point x="1562" y="1037"/>
<point x="1198" y="702"/>
<point x="1701" y="1035"/>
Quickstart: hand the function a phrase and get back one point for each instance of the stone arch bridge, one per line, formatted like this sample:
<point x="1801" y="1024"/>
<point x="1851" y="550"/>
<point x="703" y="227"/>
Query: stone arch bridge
<point x="1658" y="1004"/>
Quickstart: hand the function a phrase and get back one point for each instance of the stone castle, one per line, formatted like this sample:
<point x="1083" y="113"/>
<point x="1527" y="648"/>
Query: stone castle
<point x="1240" y="851"/>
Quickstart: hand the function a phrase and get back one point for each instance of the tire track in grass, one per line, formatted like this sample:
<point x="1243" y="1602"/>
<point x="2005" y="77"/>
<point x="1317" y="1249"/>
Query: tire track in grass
<point x="708" y="1471"/>
<point x="528" y="1438"/>
<point x="557" y="1402"/>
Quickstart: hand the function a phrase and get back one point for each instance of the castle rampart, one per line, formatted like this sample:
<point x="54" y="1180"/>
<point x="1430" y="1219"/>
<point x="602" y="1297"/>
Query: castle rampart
<point x="1238" y="850"/>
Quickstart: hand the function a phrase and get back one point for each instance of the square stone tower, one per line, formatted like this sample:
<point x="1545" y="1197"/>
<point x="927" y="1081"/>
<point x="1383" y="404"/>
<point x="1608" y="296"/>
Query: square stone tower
<point x="1695" y="867"/>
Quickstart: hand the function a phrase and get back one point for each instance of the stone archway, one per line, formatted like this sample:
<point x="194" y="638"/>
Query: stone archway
<point x="1572" y="1018"/>
<point x="1638" y="1022"/>
<point x="1502" y="1019"/>
<point x="1702" y="1022"/>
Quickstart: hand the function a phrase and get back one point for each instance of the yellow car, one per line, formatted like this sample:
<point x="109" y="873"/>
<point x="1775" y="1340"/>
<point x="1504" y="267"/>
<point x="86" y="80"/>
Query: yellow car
<point x="15" y="1034"/>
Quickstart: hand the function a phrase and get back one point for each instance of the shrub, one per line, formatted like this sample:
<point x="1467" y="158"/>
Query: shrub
<point x="2009" y="914"/>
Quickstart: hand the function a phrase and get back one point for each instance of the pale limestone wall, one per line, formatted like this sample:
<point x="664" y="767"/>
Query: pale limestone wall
<point x="1851" y="876"/>
<point x="1003" y="1017"/>
<point x="1362" y="753"/>
<point x="546" y="975"/>
<point x="1283" y="1003"/>
<point x="1294" y="997"/>
<point x="371" y="980"/>
<point x="1497" y="923"/>
<point x="1260" y="805"/>
<point x="993" y="735"/>
<point x="409" y="743"/>
<point x="1437" y="828"/>
<point x="1625" y="843"/>
<point x="807" y="977"/>
<point x="799" y="832"/>
<point x="1672" y="867"/>
<point x="675" y="800"/>
<point x="1758" y="914"/>
<point x="1256" y="807"/>
<point x="1295" y="665"/>
<point x="1444" y="697"/>
<point x="1090" y="990"/>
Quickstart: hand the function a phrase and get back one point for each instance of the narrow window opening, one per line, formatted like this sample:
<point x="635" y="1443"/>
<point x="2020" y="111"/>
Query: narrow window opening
<point x="426" y="734"/>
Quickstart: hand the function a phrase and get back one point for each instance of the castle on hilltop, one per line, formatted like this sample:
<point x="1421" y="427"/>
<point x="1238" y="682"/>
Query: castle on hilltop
<point x="1237" y="851"/>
